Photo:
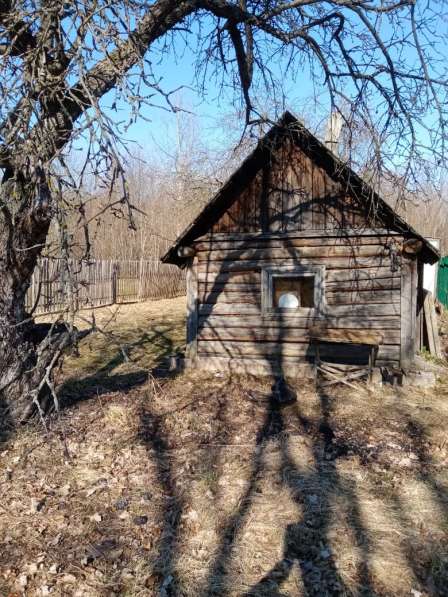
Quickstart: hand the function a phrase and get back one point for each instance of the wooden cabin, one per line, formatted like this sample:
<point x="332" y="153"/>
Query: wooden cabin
<point x="293" y="239"/>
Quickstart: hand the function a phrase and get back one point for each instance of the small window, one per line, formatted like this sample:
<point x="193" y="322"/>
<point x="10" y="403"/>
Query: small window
<point x="293" y="290"/>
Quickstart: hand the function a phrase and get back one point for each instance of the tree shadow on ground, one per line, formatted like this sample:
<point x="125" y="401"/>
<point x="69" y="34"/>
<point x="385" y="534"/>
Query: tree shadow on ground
<point x="155" y="436"/>
<point x="305" y="542"/>
<point x="104" y="381"/>
<point x="427" y="560"/>
<point x="110" y="377"/>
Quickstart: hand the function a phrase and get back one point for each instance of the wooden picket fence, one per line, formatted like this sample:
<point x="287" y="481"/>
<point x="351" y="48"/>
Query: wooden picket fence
<point x="101" y="282"/>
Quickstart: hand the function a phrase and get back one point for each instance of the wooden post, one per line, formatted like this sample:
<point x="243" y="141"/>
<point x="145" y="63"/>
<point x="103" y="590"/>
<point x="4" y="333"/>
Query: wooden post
<point x="408" y="312"/>
<point x="435" y="329"/>
<point x="192" y="310"/>
<point x="420" y="313"/>
<point x="372" y="358"/>
<point x="114" y="282"/>
<point x="432" y="328"/>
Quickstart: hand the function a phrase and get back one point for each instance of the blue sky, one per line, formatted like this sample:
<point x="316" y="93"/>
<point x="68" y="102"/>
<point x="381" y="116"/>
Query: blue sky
<point x="177" y="70"/>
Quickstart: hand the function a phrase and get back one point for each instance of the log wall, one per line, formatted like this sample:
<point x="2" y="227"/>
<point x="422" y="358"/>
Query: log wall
<point x="362" y="291"/>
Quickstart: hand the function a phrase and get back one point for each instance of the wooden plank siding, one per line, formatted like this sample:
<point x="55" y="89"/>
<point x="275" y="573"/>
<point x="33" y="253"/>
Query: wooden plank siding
<point x="293" y="193"/>
<point x="362" y="291"/>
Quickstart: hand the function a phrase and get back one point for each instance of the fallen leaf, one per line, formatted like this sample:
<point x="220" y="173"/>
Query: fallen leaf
<point x="69" y="579"/>
<point x="56" y="540"/>
<point x="23" y="580"/>
<point x="32" y="568"/>
<point x="64" y="490"/>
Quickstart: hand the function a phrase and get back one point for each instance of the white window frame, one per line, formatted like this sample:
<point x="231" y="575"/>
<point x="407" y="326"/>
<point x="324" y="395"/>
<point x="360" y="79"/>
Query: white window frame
<point x="268" y="275"/>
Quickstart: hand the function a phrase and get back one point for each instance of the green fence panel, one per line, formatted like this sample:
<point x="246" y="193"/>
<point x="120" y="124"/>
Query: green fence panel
<point x="442" y="281"/>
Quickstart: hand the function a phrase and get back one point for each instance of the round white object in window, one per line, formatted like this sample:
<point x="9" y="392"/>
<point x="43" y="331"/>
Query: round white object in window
<point x="288" y="301"/>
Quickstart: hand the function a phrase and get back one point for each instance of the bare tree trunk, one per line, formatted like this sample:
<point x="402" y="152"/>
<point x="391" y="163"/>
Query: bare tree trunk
<point x="29" y="354"/>
<point x="25" y="349"/>
<point x="18" y="374"/>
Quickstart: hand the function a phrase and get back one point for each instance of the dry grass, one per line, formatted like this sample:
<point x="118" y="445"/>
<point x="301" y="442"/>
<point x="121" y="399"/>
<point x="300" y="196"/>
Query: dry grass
<point x="342" y="494"/>
<point x="133" y="339"/>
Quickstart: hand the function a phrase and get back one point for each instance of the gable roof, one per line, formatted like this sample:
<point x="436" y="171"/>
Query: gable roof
<point x="319" y="152"/>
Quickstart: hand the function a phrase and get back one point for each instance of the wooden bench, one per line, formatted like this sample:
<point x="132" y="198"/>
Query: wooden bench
<point x="339" y="372"/>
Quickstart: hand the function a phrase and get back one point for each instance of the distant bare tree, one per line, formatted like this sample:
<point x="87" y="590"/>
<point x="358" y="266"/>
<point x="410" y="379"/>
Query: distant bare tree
<point x="167" y="185"/>
<point x="428" y="213"/>
<point x="61" y="59"/>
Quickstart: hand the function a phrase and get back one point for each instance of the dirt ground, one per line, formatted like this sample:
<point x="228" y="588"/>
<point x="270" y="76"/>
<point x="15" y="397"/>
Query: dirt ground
<point x="188" y="485"/>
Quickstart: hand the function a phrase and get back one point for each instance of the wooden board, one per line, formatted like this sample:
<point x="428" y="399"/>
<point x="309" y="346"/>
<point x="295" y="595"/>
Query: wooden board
<point x="264" y="367"/>
<point x="271" y="349"/>
<point x="332" y="275"/>
<point x="192" y="310"/>
<point x="408" y="317"/>
<point x="234" y="277"/>
<point x="324" y="334"/>
<point x="363" y="297"/>
<point x="348" y="232"/>
<point x="257" y="367"/>
<point x="333" y="298"/>
<point x="339" y="263"/>
<point x="369" y="310"/>
<point x="289" y="335"/>
<point x="297" y="322"/>
<point x="330" y="287"/>
<point x="295" y="253"/>
<point x="235" y="242"/>
<point x="431" y="324"/>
